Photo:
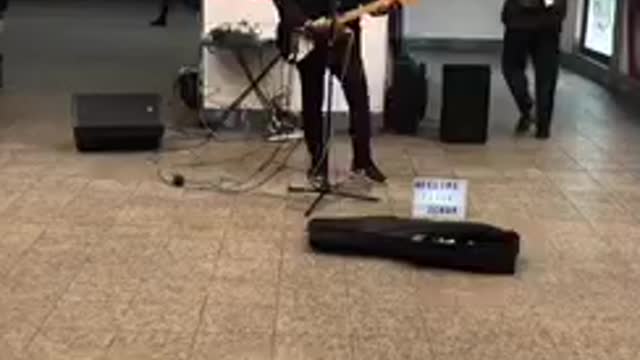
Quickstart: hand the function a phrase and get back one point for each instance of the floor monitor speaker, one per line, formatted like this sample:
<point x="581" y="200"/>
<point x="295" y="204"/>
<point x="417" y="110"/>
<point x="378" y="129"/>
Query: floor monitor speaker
<point x="117" y="122"/>
<point x="465" y="103"/>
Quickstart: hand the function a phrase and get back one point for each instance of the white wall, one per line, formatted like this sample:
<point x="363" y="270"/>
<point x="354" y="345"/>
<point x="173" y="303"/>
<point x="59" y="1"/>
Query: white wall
<point x="464" y="19"/>
<point x="224" y="81"/>
<point x="472" y="19"/>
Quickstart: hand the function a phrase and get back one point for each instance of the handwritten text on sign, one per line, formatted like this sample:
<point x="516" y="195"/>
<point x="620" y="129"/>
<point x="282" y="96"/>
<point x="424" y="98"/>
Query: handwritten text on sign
<point x="440" y="198"/>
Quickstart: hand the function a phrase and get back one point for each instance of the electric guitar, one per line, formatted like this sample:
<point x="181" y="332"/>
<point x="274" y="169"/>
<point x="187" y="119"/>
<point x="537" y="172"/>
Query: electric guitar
<point x="296" y="44"/>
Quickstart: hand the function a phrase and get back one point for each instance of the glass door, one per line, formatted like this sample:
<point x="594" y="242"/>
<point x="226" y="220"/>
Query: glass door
<point x="598" y="29"/>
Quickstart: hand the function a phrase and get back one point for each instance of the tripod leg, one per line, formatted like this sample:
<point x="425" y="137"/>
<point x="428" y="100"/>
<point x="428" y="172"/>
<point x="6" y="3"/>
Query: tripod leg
<point x="299" y="190"/>
<point x="315" y="203"/>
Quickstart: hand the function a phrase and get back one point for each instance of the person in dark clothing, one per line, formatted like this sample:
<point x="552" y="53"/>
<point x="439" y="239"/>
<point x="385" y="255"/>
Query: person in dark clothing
<point x="343" y="62"/>
<point x="161" y="20"/>
<point x="532" y="29"/>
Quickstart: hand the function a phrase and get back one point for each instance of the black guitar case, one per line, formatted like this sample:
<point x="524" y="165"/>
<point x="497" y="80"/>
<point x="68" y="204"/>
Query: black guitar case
<point x="406" y="98"/>
<point x="455" y="245"/>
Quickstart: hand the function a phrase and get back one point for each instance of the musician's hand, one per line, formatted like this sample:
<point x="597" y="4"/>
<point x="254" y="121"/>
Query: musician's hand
<point x="321" y="29"/>
<point x="323" y="26"/>
<point x="385" y="9"/>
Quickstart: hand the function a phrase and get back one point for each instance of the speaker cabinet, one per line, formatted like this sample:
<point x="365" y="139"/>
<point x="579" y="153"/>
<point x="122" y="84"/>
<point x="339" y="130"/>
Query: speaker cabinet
<point x="117" y="122"/>
<point x="466" y="94"/>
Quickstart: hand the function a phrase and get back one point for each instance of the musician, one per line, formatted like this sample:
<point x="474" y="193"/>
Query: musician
<point x="345" y="63"/>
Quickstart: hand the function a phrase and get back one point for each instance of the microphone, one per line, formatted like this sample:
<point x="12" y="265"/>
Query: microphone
<point x="177" y="180"/>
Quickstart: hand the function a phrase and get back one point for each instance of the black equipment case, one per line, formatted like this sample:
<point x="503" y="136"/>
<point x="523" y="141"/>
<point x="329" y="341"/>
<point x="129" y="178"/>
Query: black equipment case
<point x="406" y="98"/>
<point x="455" y="245"/>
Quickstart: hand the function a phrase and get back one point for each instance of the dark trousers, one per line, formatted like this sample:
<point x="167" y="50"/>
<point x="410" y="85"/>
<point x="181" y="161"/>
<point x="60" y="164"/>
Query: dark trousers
<point x="542" y="46"/>
<point x="164" y="8"/>
<point x="312" y="70"/>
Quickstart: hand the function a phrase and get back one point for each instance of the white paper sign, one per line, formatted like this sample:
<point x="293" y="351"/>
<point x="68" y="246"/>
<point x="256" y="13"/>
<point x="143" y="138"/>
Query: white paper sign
<point x="440" y="198"/>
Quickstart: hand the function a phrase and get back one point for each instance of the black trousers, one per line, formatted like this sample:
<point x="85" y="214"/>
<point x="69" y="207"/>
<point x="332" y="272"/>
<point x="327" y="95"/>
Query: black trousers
<point x="165" y="4"/>
<point x="347" y="66"/>
<point x="164" y="8"/>
<point x="542" y="46"/>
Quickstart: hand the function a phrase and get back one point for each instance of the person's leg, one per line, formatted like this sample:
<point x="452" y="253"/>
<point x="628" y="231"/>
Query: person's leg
<point x="347" y="65"/>
<point x="546" y="59"/>
<point x="161" y="20"/>
<point x="514" y="63"/>
<point x="312" y="71"/>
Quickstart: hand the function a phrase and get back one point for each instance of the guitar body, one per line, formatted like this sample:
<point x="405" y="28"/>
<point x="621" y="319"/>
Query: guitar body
<point x="294" y="44"/>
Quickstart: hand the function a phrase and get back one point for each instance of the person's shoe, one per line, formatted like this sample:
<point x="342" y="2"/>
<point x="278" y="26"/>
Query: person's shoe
<point x="543" y="133"/>
<point x="280" y="131"/>
<point x="317" y="181"/>
<point x="316" y="176"/>
<point x="159" y="22"/>
<point x="370" y="171"/>
<point x="524" y="124"/>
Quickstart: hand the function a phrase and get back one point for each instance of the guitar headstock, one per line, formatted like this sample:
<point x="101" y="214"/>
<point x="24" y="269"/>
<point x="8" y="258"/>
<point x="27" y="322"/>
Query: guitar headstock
<point x="389" y="3"/>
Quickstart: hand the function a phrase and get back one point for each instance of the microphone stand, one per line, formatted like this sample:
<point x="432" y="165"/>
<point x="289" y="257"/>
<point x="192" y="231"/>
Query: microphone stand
<point x="326" y="188"/>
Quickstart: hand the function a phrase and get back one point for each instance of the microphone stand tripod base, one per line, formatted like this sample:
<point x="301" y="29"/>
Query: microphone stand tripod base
<point x="327" y="189"/>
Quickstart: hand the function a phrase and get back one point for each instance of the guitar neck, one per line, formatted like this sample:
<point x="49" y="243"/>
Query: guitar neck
<point x="358" y="12"/>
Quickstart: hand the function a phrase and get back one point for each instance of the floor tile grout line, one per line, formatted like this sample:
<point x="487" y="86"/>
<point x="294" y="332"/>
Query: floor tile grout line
<point x="575" y="205"/>
<point x="57" y="302"/>
<point x="203" y="309"/>
<point x="274" y="332"/>
<point x="351" y="333"/>
<point x="62" y="206"/>
<point x="118" y="207"/>
<point x="198" y="329"/>
<point x="24" y="252"/>
<point x="119" y="328"/>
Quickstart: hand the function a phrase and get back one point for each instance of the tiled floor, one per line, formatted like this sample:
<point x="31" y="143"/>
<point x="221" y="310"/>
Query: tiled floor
<point x="100" y="260"/>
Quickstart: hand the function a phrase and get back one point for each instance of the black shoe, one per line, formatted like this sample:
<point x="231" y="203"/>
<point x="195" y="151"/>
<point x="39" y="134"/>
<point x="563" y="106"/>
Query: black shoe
<point x="316" y="178"/>
<point x="371" y="171"/>
<point x="524" y="125"/>
<point x="543" y="133"/>
<point x="159" y="22"/>
<point x="318" y="182"/>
